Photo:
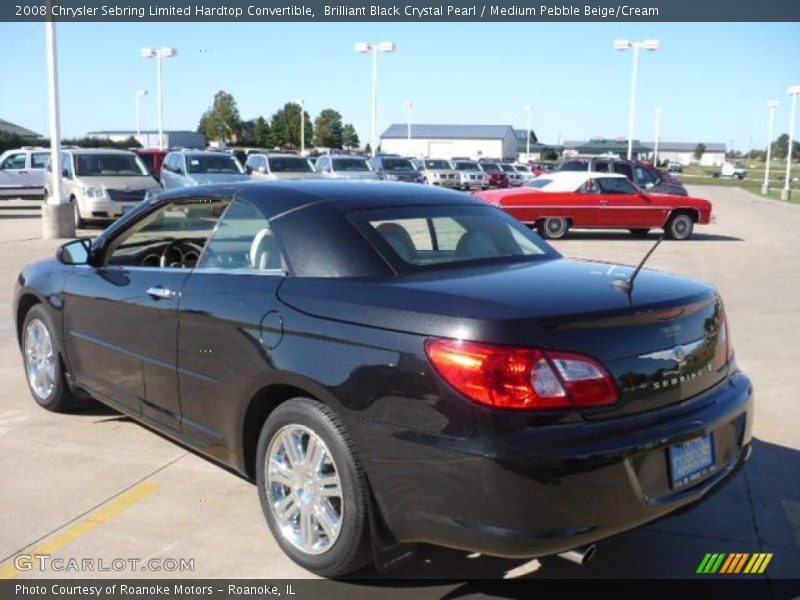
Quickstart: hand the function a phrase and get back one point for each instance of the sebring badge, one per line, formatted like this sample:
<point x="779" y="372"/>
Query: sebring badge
<point x="678" y="353"/>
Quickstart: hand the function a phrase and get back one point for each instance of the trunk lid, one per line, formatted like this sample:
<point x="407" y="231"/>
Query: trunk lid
<point x="659" y="344"/>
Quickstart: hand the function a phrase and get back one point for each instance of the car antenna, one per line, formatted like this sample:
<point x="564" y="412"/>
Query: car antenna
<point x="627" y="284"/>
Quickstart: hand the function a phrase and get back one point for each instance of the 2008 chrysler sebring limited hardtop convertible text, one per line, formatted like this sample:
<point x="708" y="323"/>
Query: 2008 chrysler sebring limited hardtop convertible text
<point x="394" y="363"/>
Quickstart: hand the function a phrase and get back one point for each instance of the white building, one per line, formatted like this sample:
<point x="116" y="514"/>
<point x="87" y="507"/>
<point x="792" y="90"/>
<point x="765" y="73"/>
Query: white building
<point x="449" y="141"/>
<point x="149" y="138"/>
<point x="683" y="152"/>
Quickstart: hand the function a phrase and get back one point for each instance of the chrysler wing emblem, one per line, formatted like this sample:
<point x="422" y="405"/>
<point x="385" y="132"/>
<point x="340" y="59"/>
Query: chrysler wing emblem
<point x="678" y="353"/>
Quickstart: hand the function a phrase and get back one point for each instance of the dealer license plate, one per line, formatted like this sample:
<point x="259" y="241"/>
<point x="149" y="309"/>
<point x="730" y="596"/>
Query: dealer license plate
<point x="691" y="461"/>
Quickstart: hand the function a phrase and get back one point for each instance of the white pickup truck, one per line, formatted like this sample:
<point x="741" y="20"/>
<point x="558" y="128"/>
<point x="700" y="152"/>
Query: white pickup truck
<point x="730" y="170"/>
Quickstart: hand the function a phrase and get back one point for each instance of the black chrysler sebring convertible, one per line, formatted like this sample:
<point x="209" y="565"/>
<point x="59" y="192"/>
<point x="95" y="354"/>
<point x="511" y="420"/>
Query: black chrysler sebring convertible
<point x="393" y="364"/>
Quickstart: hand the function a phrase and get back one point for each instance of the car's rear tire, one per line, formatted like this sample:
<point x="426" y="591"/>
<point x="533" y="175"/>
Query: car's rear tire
<point x="679" y="226"/>
<point x="639" y="232"/>
<point x="553" y="228"/>
<point x="42" y="363"/>
<point x="313" y="490"/>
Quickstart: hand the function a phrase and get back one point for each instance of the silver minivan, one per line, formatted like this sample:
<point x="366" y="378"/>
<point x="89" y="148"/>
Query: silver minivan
<point x="183" y="168"/>
<point x="272" y="166"/>
<point x="344" y="166"/>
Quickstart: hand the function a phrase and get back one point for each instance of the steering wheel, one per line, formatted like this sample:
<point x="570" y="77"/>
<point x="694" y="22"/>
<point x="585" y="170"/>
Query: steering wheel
<point x="180" y="254"/>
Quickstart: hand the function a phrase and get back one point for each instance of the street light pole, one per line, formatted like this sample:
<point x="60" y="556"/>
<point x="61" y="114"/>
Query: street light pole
<point x="139" y="95"/>
<point x="302" y="104"/>
<point x="363" y="48"/>
<point x="658" y="111"/>
<point x="528" y="108"/>
<point x="159" y="54"/>
<point x="622" y="45"/>
<point x="786" y="194"/>
<point x="57" y="220"/>
<point x="409" y="105"/>
<point x="771" y="106"/>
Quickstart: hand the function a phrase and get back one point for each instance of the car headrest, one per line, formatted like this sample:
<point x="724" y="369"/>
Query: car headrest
<point x="265" y="252"/>
<point x="399" y="239"/>
<point x="476" y="244"/>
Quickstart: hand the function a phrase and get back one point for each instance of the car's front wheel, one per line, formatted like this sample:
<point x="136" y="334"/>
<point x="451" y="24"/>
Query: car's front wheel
<point x="553" y="228"/>
<point x="312" y="488"/>
<point x="80" y="223"/>
<point x="42" y="363"/>
<point x="679" y="226"/>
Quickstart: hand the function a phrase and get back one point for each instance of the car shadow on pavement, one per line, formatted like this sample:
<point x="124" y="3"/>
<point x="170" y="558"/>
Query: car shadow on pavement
<point x="756" y="511"/>
<point x="626" y="237"/>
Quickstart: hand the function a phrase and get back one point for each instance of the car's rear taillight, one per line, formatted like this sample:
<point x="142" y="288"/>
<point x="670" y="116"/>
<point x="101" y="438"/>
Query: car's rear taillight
<point x="724" y="350"/>
<point x="521" y="378"/>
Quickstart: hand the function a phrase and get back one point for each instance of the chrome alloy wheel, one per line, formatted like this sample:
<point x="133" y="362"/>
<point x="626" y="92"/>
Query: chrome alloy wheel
<point x="40" y="359"/>
<point x="304" y="489"/>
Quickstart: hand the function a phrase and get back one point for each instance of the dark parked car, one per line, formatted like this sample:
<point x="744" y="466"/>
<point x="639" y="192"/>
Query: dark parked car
<point x="391" y="167"/>
<point x="394" y="362"/>
<point x="642" y="174"/>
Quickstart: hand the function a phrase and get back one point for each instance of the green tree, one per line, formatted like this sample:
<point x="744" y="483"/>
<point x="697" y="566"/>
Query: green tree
<point x="222" y="120"/>
<point x="285" y="127"/>
<point x="780" y="147"/>
<point x="261" y="133"/>
<point x="328" y="129"/>
<point x="699" y="150"/>
<point x="350" y="137"/>
<point x="368" y="148"/>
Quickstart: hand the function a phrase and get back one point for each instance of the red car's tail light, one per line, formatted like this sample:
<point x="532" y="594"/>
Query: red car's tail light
<point x="521" y="378"/>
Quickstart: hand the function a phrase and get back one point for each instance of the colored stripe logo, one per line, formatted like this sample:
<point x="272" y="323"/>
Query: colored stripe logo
<point x="734" y="563"/>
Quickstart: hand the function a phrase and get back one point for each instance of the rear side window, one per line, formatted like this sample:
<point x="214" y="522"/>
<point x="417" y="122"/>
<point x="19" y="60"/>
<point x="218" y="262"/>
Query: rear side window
<point x="243" y="239"/>
<point x="420" y="237"/>
<point x="623" y="169"/>
<point x="616" y="185"/>
<point x="575" y="165"/>
<point x="39" y="160"/>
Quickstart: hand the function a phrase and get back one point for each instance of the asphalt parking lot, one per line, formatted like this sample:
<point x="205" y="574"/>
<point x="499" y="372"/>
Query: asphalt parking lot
<point x="97" y="485"/>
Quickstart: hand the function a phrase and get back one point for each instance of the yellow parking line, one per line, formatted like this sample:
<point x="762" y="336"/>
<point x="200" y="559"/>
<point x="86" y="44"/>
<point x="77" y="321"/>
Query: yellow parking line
<point x="83" y="527"/>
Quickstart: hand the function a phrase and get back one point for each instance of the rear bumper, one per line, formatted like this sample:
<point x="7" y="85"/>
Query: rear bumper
<point x="548" y="489"/>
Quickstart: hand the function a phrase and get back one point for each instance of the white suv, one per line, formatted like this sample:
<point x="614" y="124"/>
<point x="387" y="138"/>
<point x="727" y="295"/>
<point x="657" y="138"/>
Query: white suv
<point x="22" y="172"/>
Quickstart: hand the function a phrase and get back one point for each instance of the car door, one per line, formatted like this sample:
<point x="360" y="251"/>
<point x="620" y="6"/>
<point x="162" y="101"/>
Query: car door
<point x="120" y="315"/>
<point x="14" y="175"/>
<point x="38" y="169"/>
<point x="230" y="320"/>
<point x="625" y="205"/>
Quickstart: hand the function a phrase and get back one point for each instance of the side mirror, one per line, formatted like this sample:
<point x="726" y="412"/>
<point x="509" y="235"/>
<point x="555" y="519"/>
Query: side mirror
<point x="248" y="169"/>
<point x="65" y="173"/>
<point x="76" y="252"/>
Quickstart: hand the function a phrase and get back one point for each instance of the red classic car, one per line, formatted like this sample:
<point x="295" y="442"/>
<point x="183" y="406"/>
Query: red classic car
<point x="556" y="202"/>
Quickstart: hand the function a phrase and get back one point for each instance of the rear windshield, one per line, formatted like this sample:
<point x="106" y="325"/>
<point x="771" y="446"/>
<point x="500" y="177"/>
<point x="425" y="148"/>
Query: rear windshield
<point x="109" y="165"/>
<point x="539" y="183"/>
<point x="575" y="165"/>
<point x="397" y="164"/>
<point x="350" y="164"/>
<point x="422" y="237"/>
<point x="213" y="163"/>
<point x="490" y="167"/>
<point x="437" y="164"/>
<point x="289" y="164"/>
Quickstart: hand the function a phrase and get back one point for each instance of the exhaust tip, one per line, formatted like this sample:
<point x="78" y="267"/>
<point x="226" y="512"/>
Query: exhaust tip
<point x="580" y="556"/>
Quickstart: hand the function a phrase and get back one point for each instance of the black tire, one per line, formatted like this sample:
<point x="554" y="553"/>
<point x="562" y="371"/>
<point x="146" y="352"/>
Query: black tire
<point x="79" y="222"/>
<point x="679" y="226"/>
<point x="553" y="228"/>
<point x="639" y="232"/>
<point x="61" y="398"/>
<point x="352" y="548"/>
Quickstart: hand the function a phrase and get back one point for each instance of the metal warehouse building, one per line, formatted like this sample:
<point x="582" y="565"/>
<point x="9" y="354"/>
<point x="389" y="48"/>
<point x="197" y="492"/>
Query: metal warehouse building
<point x="449" y="141"/>
<point x="149" y="139"/>
<point x="714" y="156"/>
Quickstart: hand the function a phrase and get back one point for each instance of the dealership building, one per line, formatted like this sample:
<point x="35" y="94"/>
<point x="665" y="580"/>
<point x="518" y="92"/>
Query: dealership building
<point x="683" y="152"/>
<point x="450" y="141"/>
<point x="149" y="138"/>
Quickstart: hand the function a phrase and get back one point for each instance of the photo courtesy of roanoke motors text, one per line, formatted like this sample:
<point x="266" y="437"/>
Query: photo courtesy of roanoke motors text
<point x="368" y="300"/>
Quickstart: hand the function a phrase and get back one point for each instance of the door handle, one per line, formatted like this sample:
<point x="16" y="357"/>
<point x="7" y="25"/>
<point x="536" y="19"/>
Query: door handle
<point x="604" y="203"/>
<point x="161" y="293"/>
